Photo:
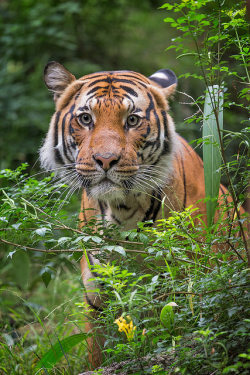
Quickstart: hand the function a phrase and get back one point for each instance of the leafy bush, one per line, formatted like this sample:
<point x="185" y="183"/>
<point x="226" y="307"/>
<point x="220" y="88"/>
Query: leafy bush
<point x="207" y="326"/>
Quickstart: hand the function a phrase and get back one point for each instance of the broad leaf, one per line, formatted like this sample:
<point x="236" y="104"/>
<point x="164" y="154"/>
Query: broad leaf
<point x="211" y="148"/>
<point x="58" y="350"/>
<point x="167" y="317"/>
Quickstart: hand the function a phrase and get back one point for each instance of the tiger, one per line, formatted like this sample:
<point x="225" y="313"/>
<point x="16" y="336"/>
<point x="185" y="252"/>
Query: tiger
<point x="113" y="131"/>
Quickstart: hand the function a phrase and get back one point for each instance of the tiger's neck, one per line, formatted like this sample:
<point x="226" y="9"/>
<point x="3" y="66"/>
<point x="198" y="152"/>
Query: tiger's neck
<point x="134" y="208"/>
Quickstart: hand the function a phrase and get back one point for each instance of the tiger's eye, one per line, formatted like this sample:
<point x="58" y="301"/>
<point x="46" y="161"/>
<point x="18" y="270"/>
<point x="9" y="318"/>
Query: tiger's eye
<point x="85" y="118"/>
<point x="132" y="120"/>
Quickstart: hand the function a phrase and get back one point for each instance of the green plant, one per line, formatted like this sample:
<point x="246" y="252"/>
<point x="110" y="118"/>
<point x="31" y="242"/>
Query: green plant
<point x="177" y="267"/>
<point x="208" y="30"/>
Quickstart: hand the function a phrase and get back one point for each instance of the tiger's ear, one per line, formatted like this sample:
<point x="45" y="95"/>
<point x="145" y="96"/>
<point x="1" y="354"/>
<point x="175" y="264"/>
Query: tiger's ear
<point x="57" y="78"/>
<point x="166" y="79"/>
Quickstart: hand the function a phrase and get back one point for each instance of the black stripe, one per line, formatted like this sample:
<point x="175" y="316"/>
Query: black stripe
<point x="84" y="108"/>
<point x="63" y="135"/>
<point x="150" y="107"/>
<point x="156" y="210"/>
<point x="165" y="123"/>
<point x="58" y="157"/>
<point x="150" y="209"/>
<point x="127" y="96"/>
<point x="130" y="216"/>
<point x="115" y="219"/>
<point x="147" y="132"/>
<point x="122" y="206"/>
<point x="92" y="305"/>
<point x="71" y="129"/>
<point x="136" y="110"/>
<point x="63" y="132"/>
<point x="96" y="89"/>
<point x="92" y="96"/>
<point x="148" y="144"/>
<point x="140" y="155"/>
<point x="73" y="145"/>
<point x="77" y="95"/>
<point x="56" y="128"/>
<point x="158" y="128"/>
<point x="157" y="160"/>
<point x="103" y="211"/>
<point x="99" y="80"/>
<point x="137" y="81"/>
<point x="166" y="147"/>
<point x="133" y="75"/>
<point x="129" y="90"/>
<point x="124" y="80"/>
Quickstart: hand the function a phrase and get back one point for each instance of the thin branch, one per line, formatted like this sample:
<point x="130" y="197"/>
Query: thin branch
<point x="193" y="103"/>
<point x="39" y="250"/>
<point x="63" y="250"/>
<point x="190" y="261"/>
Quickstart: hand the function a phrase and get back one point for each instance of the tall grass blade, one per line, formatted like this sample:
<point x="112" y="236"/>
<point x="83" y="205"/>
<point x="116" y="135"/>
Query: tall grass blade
<point x="211" y="148"/>
<point x="58" y="350"/>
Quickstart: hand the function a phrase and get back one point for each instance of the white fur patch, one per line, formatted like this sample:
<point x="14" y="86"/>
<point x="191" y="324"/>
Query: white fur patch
<point x="160" y="75"/>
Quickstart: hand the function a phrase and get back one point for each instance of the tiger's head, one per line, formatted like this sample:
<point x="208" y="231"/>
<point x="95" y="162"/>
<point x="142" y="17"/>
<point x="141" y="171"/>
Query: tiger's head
<point x="111" y="132"/>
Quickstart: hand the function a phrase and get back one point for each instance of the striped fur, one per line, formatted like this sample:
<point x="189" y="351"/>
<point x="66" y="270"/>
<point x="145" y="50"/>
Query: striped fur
<point x="125" y="170"/>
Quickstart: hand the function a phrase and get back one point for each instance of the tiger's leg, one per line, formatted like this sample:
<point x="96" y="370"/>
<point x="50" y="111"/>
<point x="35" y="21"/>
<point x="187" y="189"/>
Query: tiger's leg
<point x="93" y="302"/>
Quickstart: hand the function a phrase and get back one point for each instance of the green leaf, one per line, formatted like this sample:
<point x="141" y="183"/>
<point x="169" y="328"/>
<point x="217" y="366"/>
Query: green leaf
<point x="118" y="249"/>
<point x="168" y="19"/>
<point x="46" y="277"/>
<point x="167" y="317"/>
<point x="143" y="238"/>
<point x="50" y="358"/>
<point x="211" y="148"/>
<point x="96" y="239"/>
<point x="63" y="240"/>
<point x="167" y="6"/>
<point x="42" y="231"/>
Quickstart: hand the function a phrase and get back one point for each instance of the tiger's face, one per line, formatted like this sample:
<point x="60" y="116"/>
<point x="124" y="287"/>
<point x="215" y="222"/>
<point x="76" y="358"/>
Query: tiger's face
<point x="111" y="130"/>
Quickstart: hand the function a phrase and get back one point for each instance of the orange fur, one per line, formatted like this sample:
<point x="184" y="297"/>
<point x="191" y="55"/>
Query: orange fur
<point x="125" y="169"/>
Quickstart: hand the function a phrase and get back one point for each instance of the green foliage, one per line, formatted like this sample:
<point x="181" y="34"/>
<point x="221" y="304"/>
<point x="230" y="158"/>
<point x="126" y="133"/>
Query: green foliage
<point x="59" y="350"/>
<point x="209" y="37"/>
<point x="140" y="280"/>
<point x="214" y="34"/>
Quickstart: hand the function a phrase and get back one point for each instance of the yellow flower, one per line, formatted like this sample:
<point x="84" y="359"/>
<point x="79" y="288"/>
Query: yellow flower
<point x="126" y="326"/>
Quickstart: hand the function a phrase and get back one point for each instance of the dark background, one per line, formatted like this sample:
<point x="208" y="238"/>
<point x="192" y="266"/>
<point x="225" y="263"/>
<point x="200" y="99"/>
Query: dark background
<point x="85" y="36"/>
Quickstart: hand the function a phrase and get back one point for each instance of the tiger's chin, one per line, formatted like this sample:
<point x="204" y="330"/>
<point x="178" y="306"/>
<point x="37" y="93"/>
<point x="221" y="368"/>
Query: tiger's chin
<point x="106" y="191"/>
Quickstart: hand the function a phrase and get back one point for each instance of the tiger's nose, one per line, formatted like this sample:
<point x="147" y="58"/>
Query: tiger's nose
<point x="107" y="160"/>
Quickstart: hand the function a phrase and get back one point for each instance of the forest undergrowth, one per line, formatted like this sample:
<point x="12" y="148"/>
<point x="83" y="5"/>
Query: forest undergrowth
<point x="167" y="290"/>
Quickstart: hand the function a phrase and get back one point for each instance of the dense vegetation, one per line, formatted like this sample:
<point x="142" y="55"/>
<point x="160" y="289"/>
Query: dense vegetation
<point x="187" y="302"/>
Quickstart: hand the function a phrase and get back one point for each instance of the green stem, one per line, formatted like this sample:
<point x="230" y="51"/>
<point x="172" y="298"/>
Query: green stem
<point x="242" y="54"/>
